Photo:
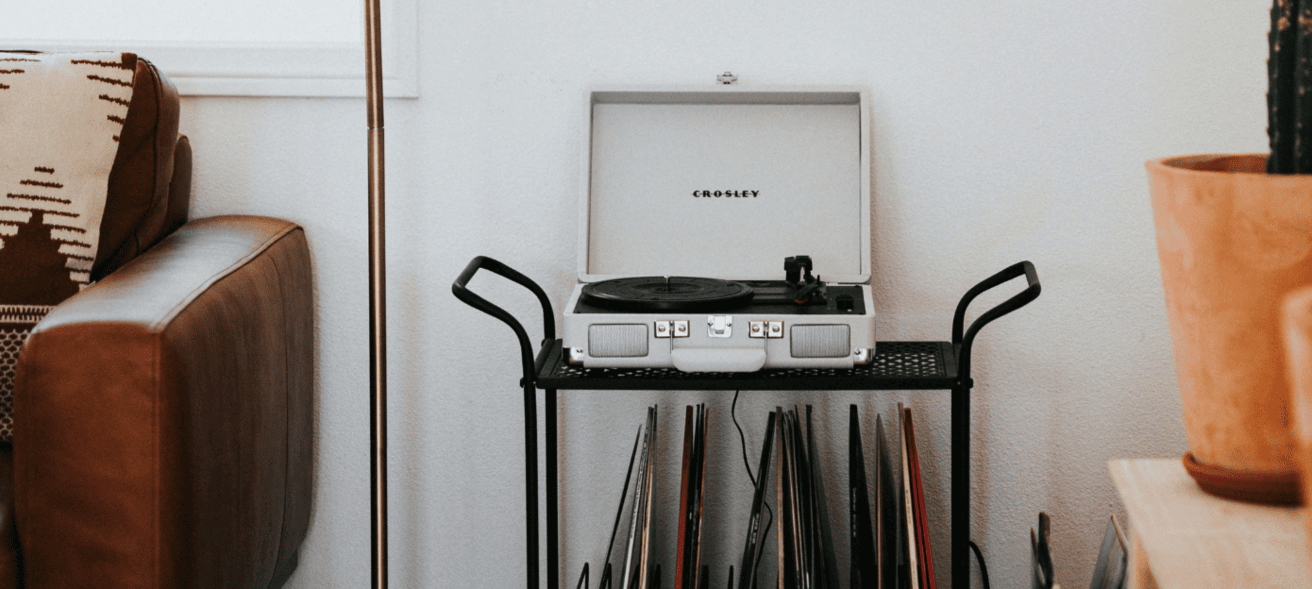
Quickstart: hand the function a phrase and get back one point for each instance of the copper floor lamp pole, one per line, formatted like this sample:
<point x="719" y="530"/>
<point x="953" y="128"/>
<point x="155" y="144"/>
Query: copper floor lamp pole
<point x="377" y="296"/>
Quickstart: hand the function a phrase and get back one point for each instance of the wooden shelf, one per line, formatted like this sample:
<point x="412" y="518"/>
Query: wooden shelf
<point x="1182" y="537"/>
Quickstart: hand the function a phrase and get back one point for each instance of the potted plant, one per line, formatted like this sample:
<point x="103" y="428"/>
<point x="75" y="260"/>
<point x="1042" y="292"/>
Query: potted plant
<point x="1234" y="234"/>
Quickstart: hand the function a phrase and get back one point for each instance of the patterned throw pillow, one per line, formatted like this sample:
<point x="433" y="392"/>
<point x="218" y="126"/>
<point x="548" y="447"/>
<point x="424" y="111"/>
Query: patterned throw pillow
<point x="61" y="115"/>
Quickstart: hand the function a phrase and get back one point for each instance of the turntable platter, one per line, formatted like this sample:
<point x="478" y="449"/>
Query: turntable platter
<point x="666" y="293"/>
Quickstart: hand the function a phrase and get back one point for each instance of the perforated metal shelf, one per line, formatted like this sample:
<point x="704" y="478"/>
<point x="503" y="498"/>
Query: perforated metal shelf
<point x="896" y="366"/>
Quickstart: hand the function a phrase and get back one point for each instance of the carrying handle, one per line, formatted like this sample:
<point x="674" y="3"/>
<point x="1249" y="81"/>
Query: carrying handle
<point x="463" y="293"/>
<point x="1021" y="299"/>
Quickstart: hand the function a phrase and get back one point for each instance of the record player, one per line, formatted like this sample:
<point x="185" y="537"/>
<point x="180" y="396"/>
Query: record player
<point x="724" y="229"/>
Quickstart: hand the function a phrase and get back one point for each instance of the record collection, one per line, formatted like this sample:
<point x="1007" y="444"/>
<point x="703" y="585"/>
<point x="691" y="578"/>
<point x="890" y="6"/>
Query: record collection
<point x="806" y="549"/>
<point x="888" y="532"/>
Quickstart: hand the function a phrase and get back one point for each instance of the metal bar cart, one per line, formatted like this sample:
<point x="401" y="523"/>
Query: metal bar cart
<point x="943" y="365"/>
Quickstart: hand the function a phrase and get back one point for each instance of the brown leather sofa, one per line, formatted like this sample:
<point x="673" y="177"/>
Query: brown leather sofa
<point x="162" y="416"/>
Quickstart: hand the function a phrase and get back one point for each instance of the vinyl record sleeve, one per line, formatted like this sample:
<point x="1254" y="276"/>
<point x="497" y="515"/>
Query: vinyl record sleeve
<point x="649" y="502"/>
<point x="685" y="482"/>
<point x="619" y="512"/>
<point x="860" y="536"/>
<point x="908" y="508"/>
<point x="784" y="500"/>
<point x="801" y="501"/>
<point x="633" y="546"/>
<point x="752" y="546"/>
<point x="699" y="470"/>
<point x="826" y="560"/>
<point x="878" y="537"/>
<point x="887" y="508"/>
<point x="924" y="552"/>
<point x="1110" y="572"/>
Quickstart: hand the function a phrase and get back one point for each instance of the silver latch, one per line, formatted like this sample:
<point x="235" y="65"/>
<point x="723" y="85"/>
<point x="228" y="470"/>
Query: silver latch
<point x="666" y="329"/>
<point x="765" y="329"/>
<point x="727" y="78"/>
<point x="719" y="325"/>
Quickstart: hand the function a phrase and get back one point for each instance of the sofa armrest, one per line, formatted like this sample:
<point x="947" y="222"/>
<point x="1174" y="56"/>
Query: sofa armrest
<point x="162" y="417"/>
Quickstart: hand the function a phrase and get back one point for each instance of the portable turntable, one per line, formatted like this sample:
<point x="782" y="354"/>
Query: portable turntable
<point x="724" y="229"/>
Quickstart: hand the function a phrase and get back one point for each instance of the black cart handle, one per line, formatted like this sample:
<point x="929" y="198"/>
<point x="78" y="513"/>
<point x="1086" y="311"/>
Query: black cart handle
<point x="1019" y="300"/>
<point x="463" y="293"/>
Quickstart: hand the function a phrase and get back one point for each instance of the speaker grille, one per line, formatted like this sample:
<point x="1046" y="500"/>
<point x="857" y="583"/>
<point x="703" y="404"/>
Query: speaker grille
<point x="617" y="340"/>
<point x="820" y="341"/>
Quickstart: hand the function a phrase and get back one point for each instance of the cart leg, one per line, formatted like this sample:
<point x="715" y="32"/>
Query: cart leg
<point x="961" y="488"/>
<point x="553" y="503"/>
<point x="531" y="481"/>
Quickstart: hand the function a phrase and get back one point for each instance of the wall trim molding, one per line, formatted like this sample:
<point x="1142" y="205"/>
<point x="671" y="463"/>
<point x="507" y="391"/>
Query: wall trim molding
<point x="275" y="69"/>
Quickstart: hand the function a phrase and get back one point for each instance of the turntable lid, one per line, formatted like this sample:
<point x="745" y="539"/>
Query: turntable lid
<point x="725" y="182"/>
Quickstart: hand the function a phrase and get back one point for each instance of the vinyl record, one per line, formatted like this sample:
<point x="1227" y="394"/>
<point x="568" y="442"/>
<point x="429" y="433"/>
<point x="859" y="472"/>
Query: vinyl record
<point x="662" y="293"/>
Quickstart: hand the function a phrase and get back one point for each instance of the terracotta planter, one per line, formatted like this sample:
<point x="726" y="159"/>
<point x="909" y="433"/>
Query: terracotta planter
<point x="1298" y="364"/>
<point x="1232" y="240"/>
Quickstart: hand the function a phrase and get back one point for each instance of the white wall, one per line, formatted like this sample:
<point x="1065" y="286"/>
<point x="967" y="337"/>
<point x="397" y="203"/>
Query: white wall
<point x="1002" y="131"/>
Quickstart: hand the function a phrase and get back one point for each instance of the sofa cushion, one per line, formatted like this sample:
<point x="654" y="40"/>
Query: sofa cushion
<point x="149" y="185"/>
